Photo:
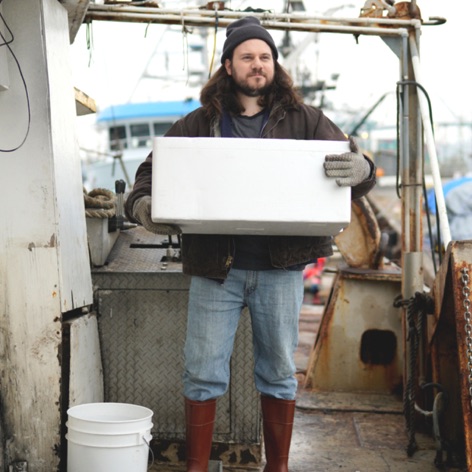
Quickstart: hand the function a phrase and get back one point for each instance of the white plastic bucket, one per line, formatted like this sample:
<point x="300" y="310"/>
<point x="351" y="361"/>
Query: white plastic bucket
<point x="105" y="437"/>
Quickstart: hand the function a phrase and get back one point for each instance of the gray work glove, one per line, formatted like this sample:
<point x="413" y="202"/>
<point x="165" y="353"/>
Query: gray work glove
<point x="142" y="213"/>
<point x="350" y="168"/>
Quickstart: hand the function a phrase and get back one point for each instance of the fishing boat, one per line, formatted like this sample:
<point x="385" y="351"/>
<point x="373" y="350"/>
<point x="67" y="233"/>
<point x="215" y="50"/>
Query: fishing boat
<point x="385" y="369"/>
<point x="129" y="130"/>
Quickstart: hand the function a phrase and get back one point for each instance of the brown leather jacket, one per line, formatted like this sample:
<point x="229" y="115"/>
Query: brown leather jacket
<point x="212" y="255"/>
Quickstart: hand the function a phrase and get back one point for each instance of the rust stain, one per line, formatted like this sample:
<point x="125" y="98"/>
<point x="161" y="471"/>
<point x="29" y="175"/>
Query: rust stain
<point x="414" y="231"/>
<point x="52" y="241"/>
<point x="402" y="11"/>
<point x="215" y="6"/>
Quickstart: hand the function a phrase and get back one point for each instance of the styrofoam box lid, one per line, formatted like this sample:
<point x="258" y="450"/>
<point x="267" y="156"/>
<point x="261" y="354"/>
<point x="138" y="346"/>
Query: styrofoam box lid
<point x="248" y="186"/>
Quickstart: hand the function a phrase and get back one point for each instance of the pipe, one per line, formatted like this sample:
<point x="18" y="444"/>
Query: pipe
<point x="267" y="15"/>
<point x="282" y="21"/>
<point x="405" y="151"/>
<point x="269" y="24"/>
<point x="429" y="137"/>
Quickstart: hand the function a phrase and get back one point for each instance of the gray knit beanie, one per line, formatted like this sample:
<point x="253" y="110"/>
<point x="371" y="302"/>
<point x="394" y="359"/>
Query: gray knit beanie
<point x="242" y="30"/>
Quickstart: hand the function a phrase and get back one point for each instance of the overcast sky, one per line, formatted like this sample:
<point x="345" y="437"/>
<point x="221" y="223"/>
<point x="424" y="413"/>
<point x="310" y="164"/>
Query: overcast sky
<point x="110" y="72"/>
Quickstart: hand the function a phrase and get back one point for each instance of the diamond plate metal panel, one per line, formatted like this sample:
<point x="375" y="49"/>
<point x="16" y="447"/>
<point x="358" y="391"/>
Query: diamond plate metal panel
<point x="142" y="334"/>
<point x="142" y="314"/>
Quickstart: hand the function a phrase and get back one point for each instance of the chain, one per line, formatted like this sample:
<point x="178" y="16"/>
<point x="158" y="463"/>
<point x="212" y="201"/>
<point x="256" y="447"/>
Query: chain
<point x="468" y="325"/>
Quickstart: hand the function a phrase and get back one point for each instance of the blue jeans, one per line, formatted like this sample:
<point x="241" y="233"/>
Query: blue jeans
<point x="274" y="299"/>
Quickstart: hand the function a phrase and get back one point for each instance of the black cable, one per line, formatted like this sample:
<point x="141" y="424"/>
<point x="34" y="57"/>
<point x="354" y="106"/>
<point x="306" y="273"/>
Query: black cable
<point x="7" y="44"/>
<point x="397" y="183"/>
<point x="428" y="216"/>
<point x="430" y="230"/>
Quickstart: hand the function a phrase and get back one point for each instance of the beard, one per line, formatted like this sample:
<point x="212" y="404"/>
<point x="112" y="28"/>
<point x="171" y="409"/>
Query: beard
<point x="249" y="91"/>
<point x="242" y="85"/>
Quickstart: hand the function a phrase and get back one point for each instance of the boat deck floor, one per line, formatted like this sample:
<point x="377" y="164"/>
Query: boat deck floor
<point x="351" y="432"/>
<point x="335" y="432"/>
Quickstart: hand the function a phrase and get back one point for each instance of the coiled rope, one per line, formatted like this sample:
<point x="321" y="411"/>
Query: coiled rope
<point x="99" y="203"/>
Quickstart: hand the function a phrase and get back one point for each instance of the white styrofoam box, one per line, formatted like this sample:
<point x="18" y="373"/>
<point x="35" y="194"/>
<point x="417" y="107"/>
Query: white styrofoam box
<point x="248" y="186"/>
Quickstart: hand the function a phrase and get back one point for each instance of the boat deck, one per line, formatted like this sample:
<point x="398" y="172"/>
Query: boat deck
<point x="347" y="432"/>
<point x="350" y="432"/>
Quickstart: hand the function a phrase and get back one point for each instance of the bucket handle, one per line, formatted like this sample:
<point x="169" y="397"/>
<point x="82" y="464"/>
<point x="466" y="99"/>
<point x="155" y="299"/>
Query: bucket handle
<point x="151" y="451"/>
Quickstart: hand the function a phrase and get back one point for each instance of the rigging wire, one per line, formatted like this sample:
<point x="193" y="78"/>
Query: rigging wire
<point x="185" y="65"/>
<point x="89" y="40"/>
<point x="213" y="54"/>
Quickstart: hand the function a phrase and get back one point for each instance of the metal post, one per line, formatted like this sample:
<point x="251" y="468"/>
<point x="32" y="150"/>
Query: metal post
<point x="429" y="137"/>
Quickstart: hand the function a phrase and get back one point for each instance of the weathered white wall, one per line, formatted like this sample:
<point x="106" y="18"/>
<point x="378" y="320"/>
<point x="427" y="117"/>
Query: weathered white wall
<point x="86" y="375"/>
<point x="44" y="268"/>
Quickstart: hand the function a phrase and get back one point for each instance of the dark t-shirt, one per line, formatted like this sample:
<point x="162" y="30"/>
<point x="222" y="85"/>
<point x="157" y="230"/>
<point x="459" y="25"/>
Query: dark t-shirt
<point x="252" y="252"/>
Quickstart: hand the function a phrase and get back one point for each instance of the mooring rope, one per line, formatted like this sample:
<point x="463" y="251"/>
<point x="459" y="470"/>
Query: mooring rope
<point x="417" y="307"/>
<point x="99" y="203"/>
<point x="409" y="398"/>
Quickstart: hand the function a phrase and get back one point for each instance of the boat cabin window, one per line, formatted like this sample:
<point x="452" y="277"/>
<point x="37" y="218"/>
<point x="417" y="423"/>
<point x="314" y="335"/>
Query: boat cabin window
<point x="161" y="128"/>
<point x="117" y="138"/>
<point x="140" y="135"/>
<point x="136" y="135"/>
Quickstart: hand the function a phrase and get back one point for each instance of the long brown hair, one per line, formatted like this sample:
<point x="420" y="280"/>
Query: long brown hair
<point x="219" y="93"/>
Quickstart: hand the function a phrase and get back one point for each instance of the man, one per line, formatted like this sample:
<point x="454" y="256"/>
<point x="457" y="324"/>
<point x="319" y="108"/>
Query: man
<point x="250" y="96"/>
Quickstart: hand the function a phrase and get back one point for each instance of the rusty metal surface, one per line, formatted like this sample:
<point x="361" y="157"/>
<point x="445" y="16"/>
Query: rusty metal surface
<point x="358" y="346"/>
<point x="389" y="272"/>
<point x="447" y="339"/>
<point x="462" y="257"/>
<point x="359" y="243"/>
<point x="379" y="9"/>
<point x="270" y="20"/>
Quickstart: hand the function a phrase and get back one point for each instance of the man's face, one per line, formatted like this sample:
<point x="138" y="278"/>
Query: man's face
<point x="252" y="67"/>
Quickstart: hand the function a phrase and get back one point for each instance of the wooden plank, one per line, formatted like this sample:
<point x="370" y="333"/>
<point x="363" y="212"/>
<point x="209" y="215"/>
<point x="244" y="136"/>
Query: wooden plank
<point x="31" y="374"/>
<point x="76" y="10"/>
<point x="44" y="267"/>
<point x="83" y="103"/>
<point x="66" y="181"/>
<point x="86" y="379"/>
